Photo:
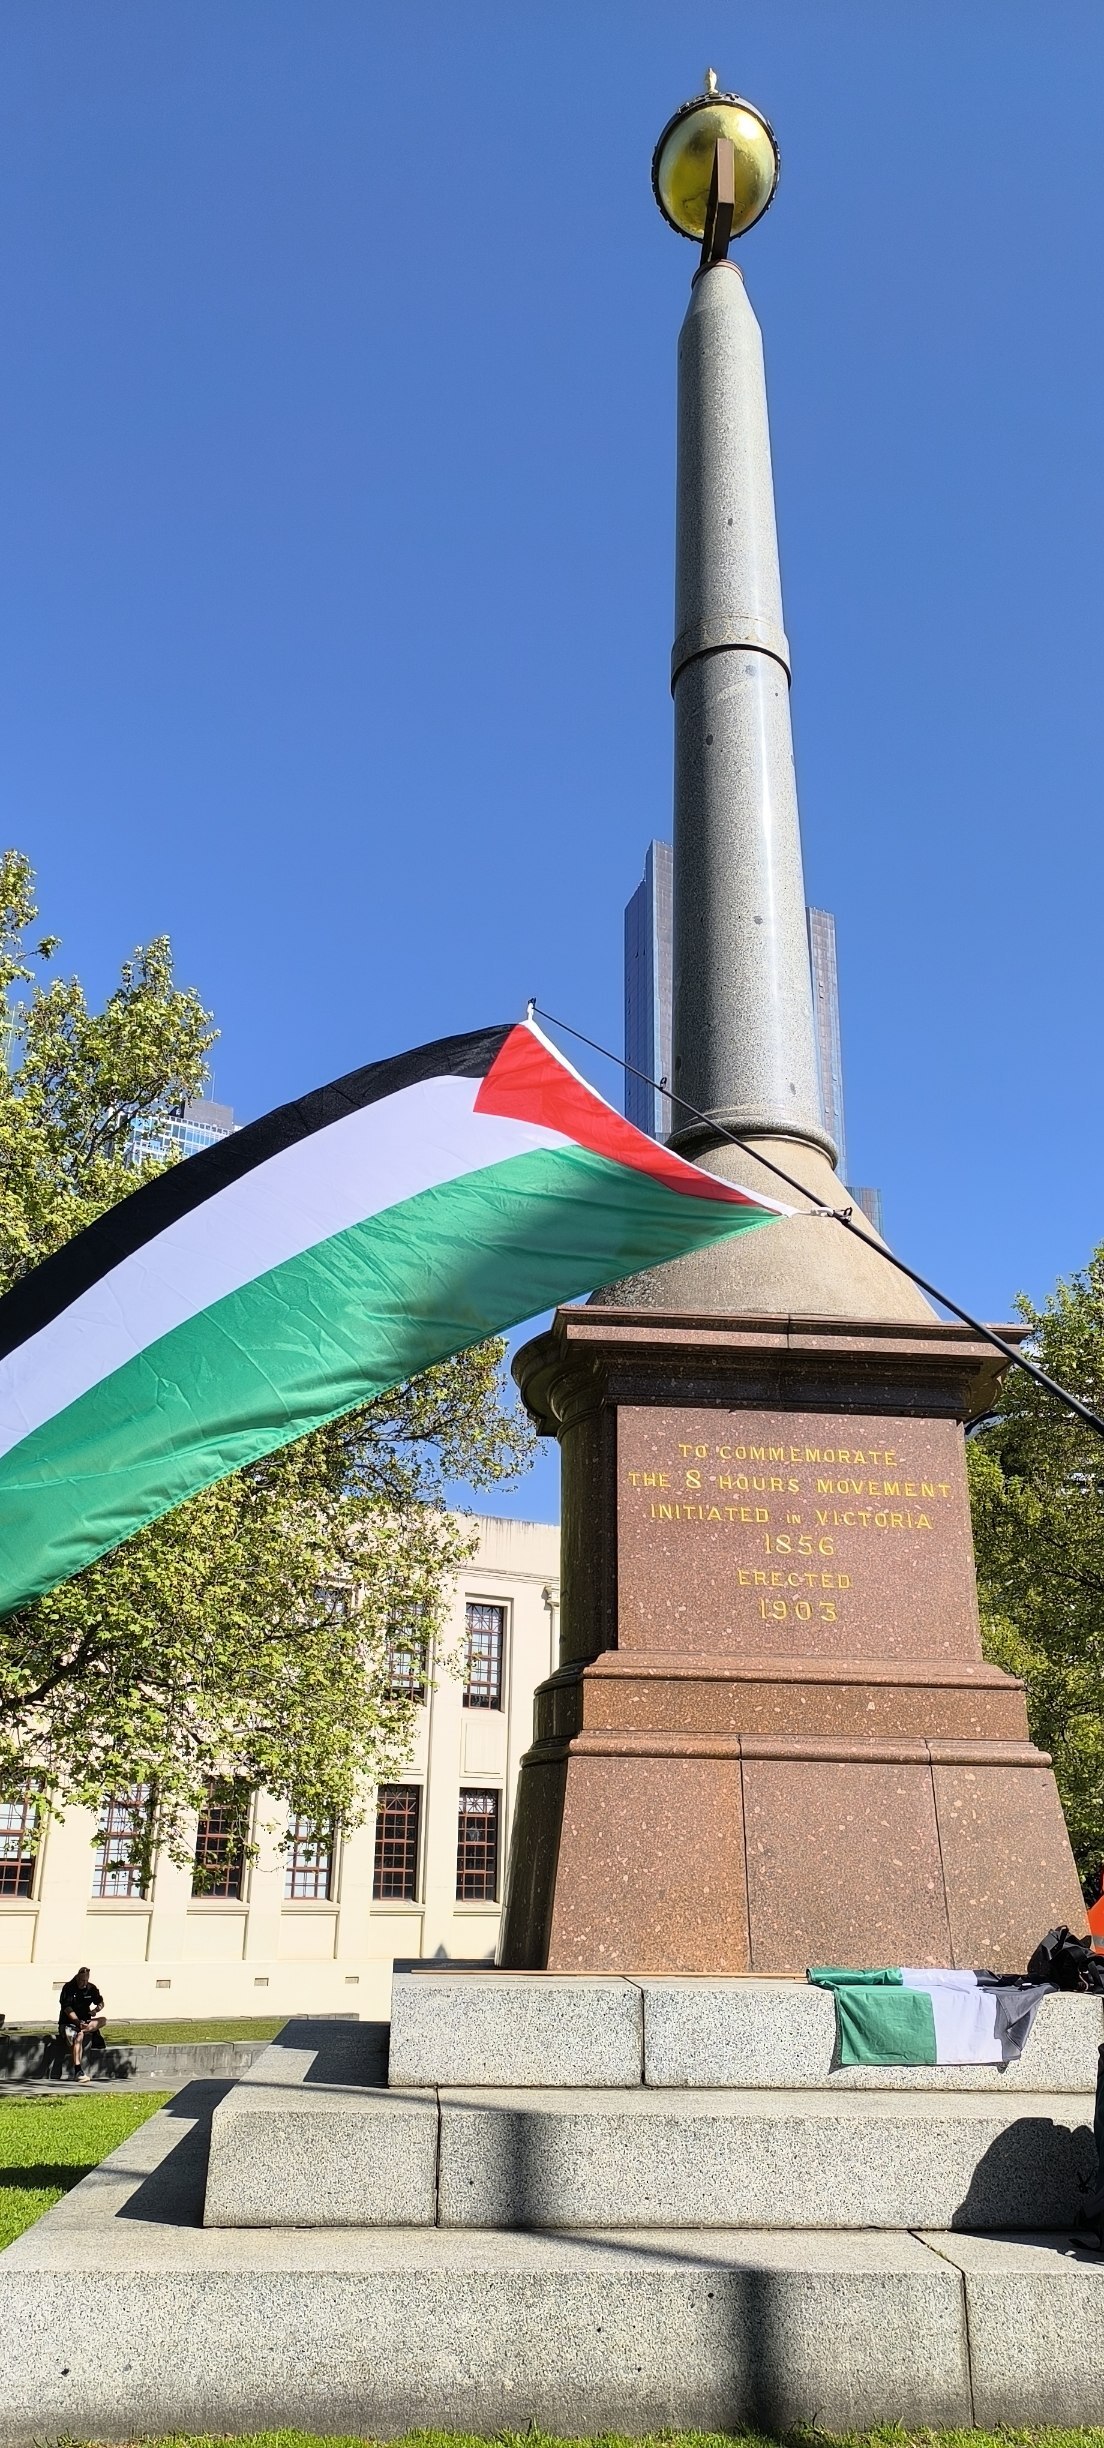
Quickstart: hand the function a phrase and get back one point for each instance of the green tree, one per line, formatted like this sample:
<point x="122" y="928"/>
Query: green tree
<point x="245" y="1635"/>
<point x="1037" y="1493"/>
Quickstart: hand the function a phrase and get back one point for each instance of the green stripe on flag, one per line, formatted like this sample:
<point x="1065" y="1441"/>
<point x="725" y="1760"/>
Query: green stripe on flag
<point x="885" y="2027"/>
<point x="878" y="2020"/>
<point x="330" y="1329"/>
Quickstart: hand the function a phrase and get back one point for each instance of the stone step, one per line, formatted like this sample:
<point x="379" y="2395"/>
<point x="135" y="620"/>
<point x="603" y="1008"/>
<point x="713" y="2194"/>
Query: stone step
<point x="123" y="2318"/>
<point x="511" y="2029"/>
<point x="304" y="2141"/>
<point x="743" y="2159"/>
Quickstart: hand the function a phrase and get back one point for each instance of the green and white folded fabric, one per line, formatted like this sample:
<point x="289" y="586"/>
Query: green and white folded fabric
<point x="913" y="2017"/>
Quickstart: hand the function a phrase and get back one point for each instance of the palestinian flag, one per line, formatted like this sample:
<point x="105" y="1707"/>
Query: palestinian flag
<point x="310" y="1262"/>
<point x="930" y="2018"/>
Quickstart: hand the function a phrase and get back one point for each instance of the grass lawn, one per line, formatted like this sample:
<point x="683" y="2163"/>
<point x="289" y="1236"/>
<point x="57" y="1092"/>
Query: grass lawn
<point x="48" y="2145"/>
<point x="890" y="2437"/>
<point x="232" y="2027"/>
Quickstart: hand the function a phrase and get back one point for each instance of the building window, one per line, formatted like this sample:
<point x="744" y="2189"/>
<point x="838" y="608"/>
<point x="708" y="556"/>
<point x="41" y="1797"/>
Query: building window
<point x="221" y="1839"/>
<point x="309" y="1862"/>
<point x="18" y="1844"/>
<point x="407" y="1656"/>
<point x="121" y="1863"/>
<point x="398" y="1824"/>
<point x="477" y="1848"/>
<point x="486" y="1629"/>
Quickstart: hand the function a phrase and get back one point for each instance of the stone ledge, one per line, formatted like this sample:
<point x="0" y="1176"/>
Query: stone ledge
<point x="37" y="2057"/>
<point x="484" y="2335"/>
<point x="305" y="2141"/>
<point x="755" y="2159"/>
<point x="512" y="2029"/>
<point x="118" y="2310"/>
<point x="1033" y="2305"/>
<point x="515" y="2028"/>
<point x="124" y="2319"/>
<point x="700" y="2032"/>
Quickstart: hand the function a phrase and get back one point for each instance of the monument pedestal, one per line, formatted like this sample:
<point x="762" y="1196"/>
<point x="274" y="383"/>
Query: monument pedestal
<point x="772" y="1740"/>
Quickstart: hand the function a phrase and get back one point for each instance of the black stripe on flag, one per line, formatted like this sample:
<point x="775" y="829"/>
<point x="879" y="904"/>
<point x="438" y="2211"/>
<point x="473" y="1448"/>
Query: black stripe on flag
<point x="91" y="1254"/>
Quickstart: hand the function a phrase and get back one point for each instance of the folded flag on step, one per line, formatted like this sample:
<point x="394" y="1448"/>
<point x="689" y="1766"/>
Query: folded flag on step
<point x="906" y="2017"/>
<point x="310" y="1262"/>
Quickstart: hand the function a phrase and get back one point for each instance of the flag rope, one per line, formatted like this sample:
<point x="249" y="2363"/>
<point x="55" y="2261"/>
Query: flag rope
<point x="837" y="1215"/>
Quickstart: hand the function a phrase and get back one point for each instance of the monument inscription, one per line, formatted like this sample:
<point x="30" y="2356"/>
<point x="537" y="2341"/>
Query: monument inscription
<point x="793" y="1533"/>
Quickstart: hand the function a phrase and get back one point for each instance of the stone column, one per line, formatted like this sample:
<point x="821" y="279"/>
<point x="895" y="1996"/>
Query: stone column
<point x="744" y="1048"/>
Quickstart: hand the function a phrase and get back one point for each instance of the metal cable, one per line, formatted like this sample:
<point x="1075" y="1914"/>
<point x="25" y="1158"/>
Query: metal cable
<point x="838" y="1215"/>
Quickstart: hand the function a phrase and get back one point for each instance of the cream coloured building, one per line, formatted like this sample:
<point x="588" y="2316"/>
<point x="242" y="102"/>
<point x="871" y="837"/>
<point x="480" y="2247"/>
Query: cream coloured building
<point x="302" y="1928"/>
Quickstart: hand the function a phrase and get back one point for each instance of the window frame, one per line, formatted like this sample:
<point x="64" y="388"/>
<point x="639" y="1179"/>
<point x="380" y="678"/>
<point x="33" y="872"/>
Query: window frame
<point x="293" y="1844"/>
<point x="210" y="1895"/>
<point x="402" y="1635"/>
<point x="501" y="1608"/>
<point x="488" y="1794"/>
<point x="137" y="1802"/>
<point x="28" y="1802"/>
<point x="402" y="1903"/>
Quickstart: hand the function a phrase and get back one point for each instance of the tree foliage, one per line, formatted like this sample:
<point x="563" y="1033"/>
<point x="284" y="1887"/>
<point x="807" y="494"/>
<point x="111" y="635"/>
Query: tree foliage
<point x="1037" y="1492"/>
<point x="245" y="1634"/>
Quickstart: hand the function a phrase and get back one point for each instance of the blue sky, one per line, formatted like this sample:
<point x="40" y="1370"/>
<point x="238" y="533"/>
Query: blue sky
<point x="336" y="445"/>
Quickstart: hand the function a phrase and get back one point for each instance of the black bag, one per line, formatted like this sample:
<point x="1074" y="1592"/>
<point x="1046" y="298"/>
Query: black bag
<point x="1067" y="1961"/>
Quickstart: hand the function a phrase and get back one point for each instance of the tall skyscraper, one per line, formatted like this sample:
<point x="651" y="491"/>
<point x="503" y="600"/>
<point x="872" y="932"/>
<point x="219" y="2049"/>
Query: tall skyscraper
<point x="186" y="1128"/>
<point x="648" y="974"/>
<point x="648" y="932"/>
<point x="826" y="1023"/>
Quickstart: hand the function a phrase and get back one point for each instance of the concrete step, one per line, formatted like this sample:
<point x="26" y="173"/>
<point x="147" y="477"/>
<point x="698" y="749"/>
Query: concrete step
<point x="802" y="2159"/>
<point x="122" y="2318"/>
<point x="302" y="2140"/>
<point x="510" y="2029"/>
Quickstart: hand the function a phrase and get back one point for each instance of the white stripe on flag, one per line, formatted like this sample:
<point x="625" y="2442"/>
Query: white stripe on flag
<point x="966" y="2027"/>
<point x="938" y="1980"/>
<point x="392" y="1150"/>
<point x="965" y="2017"/>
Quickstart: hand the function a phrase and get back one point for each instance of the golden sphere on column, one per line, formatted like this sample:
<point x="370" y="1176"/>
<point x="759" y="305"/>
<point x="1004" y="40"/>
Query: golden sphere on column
<point x="682" y="164"/>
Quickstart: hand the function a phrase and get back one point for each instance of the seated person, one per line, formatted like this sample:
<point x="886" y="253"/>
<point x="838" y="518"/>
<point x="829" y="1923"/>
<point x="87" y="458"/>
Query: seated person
<point x="80" y="2012"/>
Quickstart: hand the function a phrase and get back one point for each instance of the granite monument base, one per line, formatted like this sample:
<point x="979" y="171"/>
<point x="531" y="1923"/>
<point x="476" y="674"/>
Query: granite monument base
<point x="772" y="1740"/>
<point x="581" y="2206"/>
